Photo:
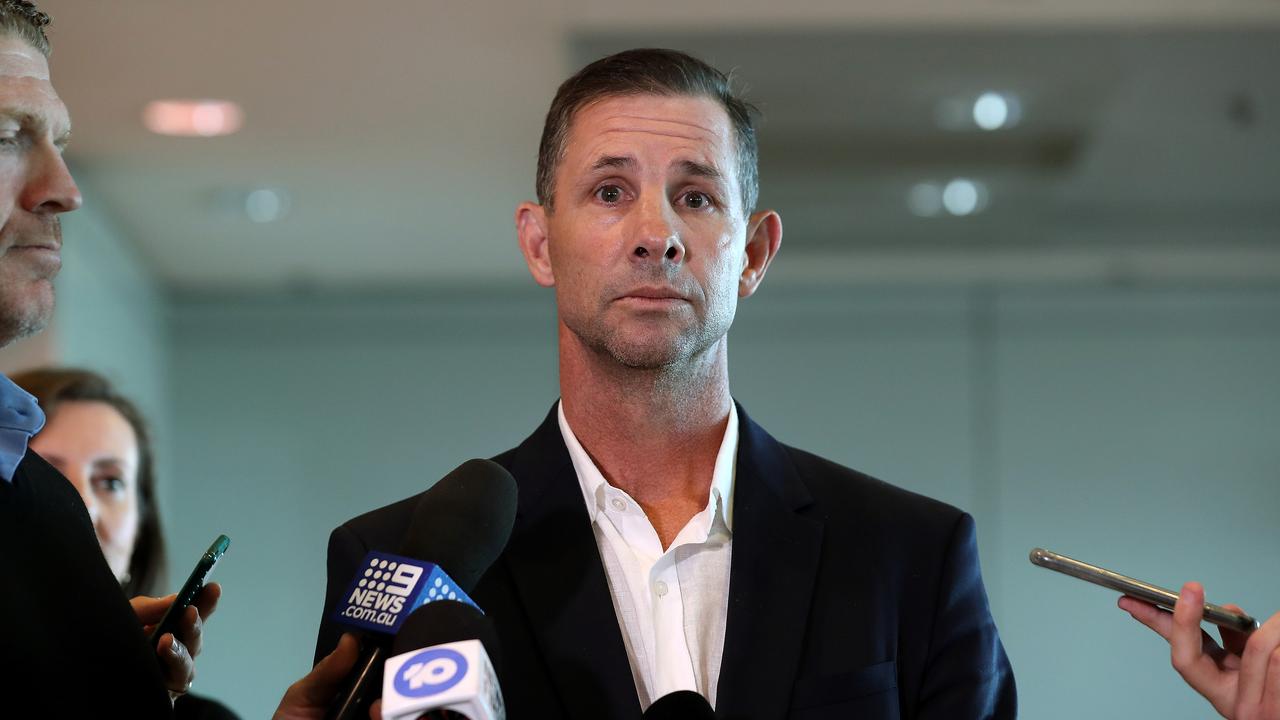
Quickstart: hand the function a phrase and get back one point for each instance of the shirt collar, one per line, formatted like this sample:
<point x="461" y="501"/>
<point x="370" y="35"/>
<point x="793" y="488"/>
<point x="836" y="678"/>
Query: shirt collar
<point x="20" y="418"/>
<point x="593" y="483"/>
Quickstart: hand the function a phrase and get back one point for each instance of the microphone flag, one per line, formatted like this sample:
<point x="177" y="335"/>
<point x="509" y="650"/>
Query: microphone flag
<point x="389" y="588"/>
<point x="455" y="676"/>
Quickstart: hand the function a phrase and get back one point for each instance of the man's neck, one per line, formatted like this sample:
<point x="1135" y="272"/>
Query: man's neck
<point x="654" y="434"/>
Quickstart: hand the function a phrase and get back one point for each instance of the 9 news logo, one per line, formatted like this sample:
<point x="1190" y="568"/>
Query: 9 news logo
<point x="388" y="587"/>
<point x="431" y="672"/>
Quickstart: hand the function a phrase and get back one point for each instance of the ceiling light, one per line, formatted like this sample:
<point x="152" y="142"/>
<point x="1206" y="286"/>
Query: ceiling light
<point x="990" y="111"/>
<point x="193" y="118"/>
<point x="265" y="205"/>
<point x="993" y="110"/>
<point x="963" y="196"/>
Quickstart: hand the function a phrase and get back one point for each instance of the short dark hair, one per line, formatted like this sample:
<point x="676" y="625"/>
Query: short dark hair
<point x="54" y="386"/>
<point x="23" y="19"/>
<point x="646" y="71"/>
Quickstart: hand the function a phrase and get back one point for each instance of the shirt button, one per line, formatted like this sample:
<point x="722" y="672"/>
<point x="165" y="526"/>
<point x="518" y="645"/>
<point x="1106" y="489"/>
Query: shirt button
<point x="661" y="588"/>
<point x="619" y="504"/>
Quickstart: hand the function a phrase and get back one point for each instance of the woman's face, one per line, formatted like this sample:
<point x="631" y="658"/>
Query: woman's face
<point x="95" y="448"/>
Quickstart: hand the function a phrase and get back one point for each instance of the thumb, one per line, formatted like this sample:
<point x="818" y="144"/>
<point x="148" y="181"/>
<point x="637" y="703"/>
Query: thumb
<point x="318" y="685"/>
<point x="150" y="609"/>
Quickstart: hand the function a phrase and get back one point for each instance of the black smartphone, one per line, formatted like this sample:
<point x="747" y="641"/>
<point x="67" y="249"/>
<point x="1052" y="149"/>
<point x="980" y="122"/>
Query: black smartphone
<point x="1158" y="596"/>
<point x="190" y="588"/>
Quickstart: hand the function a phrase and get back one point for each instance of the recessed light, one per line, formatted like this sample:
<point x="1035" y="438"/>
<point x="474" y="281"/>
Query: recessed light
<point x="963" y="196"/>
<point x="264" y="205"/>
<point x="193" y="118"/>
<point x="993" y="111"/>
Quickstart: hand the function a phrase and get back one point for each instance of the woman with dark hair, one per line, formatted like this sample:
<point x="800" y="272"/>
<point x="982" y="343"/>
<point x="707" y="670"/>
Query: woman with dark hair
<point x="98" y="440"/>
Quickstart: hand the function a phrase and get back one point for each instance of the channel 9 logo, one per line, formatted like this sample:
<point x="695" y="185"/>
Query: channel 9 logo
<point x="388" y="587"/>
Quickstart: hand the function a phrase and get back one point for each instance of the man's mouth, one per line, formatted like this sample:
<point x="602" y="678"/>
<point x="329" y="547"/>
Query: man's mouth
<point x="653" y="293"/>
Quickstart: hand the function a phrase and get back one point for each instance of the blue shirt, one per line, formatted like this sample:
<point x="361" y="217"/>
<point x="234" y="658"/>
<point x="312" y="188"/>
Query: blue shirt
<point x="20" y="418"/>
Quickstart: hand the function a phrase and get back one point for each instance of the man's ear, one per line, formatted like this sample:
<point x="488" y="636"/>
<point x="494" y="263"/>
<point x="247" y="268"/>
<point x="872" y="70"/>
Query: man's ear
<point x="531" y="233"/>
<point x="764" y="237"/>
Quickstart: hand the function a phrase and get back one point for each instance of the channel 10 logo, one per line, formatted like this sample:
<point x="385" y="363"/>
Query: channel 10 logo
<point x="431" y="672"/>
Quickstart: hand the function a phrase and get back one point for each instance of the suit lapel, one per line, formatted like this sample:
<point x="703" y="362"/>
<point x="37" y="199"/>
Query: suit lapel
<point x="774" y="566"/>
<point x="560" y="580"/>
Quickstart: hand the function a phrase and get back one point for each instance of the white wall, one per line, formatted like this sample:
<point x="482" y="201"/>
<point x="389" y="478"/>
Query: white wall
<point x="1132" y="428"/>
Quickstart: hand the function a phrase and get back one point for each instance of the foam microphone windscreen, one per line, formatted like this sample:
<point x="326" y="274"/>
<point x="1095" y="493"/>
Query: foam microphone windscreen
<point x="680" y="705"/>
<point x="446" y="621"/>
<point x="463" y="522"/>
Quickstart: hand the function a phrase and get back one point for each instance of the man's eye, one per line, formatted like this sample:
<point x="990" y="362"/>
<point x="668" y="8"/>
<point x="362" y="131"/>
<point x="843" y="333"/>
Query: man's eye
<point x="695" y="200"/>
<point x="609" y="194"/>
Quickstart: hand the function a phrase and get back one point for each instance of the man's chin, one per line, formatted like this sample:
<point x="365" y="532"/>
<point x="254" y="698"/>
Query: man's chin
<point x="26" y="314"/>
<point x="649" y="351"/>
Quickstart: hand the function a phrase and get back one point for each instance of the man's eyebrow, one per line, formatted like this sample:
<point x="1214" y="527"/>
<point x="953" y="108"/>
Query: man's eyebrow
<point x="29" y="119"/>
<point x="21" y="117"/>
<point x="613" y="161"/>
<point x="698" y="169"/>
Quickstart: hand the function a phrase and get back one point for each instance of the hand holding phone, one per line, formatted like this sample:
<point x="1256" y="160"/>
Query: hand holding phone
<point x="187" y="595"/>
<point x="1154" y="594"/>
<point x="1240" y="677"/>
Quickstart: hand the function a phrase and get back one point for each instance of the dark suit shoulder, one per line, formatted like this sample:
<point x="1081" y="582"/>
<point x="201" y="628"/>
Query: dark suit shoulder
<point x="383" y="528"/>
<point x="843" y="492"/>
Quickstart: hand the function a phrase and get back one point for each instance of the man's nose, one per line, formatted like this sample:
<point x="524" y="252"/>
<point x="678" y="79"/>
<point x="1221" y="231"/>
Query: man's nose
<point x="656" y="236"/>
<point x="50" y="188"/>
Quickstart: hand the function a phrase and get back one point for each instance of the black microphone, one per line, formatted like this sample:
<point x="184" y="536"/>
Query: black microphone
<point x="680" y="705"/>
<point x="442" y="666"/>
<point x="463" y="523"/>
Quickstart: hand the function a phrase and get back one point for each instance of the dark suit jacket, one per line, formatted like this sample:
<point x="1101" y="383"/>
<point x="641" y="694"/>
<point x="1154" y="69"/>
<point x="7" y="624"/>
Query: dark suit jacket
<point x="848" y="597"/>
<point x="70" y="643"/>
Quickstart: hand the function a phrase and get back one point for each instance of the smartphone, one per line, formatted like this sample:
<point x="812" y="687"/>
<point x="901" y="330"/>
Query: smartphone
<point x="1158" y="596"/>
<point x="190" y="588"/>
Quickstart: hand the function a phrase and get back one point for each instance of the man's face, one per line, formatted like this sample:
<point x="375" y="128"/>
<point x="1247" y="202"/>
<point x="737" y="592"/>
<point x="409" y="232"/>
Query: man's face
<point x="34" y="188"/>
<point x="646" y="240"/>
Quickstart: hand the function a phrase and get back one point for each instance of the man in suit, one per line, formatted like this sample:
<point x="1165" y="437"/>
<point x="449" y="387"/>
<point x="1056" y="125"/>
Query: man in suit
<point x="73" y="644"/>
<point x="72" y="641"/>
<point x="663" y="540"/>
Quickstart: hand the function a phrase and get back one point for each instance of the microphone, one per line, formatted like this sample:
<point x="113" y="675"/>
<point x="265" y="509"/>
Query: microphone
<point x="443" y="666"/>
<point x="464" y="522"/>
<point x="680" y="705"/>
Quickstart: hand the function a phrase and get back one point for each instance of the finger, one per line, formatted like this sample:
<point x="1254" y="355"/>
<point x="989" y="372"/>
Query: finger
<point x="149" y="610"/>
<point x="319" y="685"/>
<point x="190" y="631"/>
<point x="1186" y="643"/>
<point x="207" y="600"/>
<point x="176" y="664"/>
<point x="1270" y="709"/>
<point x="375" y="710"/>
<point x="1160" y="621"/>
<point x="1262" y="644"/>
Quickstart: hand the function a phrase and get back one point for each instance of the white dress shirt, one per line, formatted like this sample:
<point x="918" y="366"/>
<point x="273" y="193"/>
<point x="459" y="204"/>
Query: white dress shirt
<point x="670" y="605"/>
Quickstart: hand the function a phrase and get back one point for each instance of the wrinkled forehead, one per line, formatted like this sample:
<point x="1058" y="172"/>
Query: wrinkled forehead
<point x="697" y="124"/>
<point x="26" y="94"/>
<point x="18" y="59"/>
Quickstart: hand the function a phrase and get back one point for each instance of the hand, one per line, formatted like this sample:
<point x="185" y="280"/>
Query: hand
<point x="177" y="654"/>
<point x="309" y="698"/>
<point x="1240" y="678"/>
